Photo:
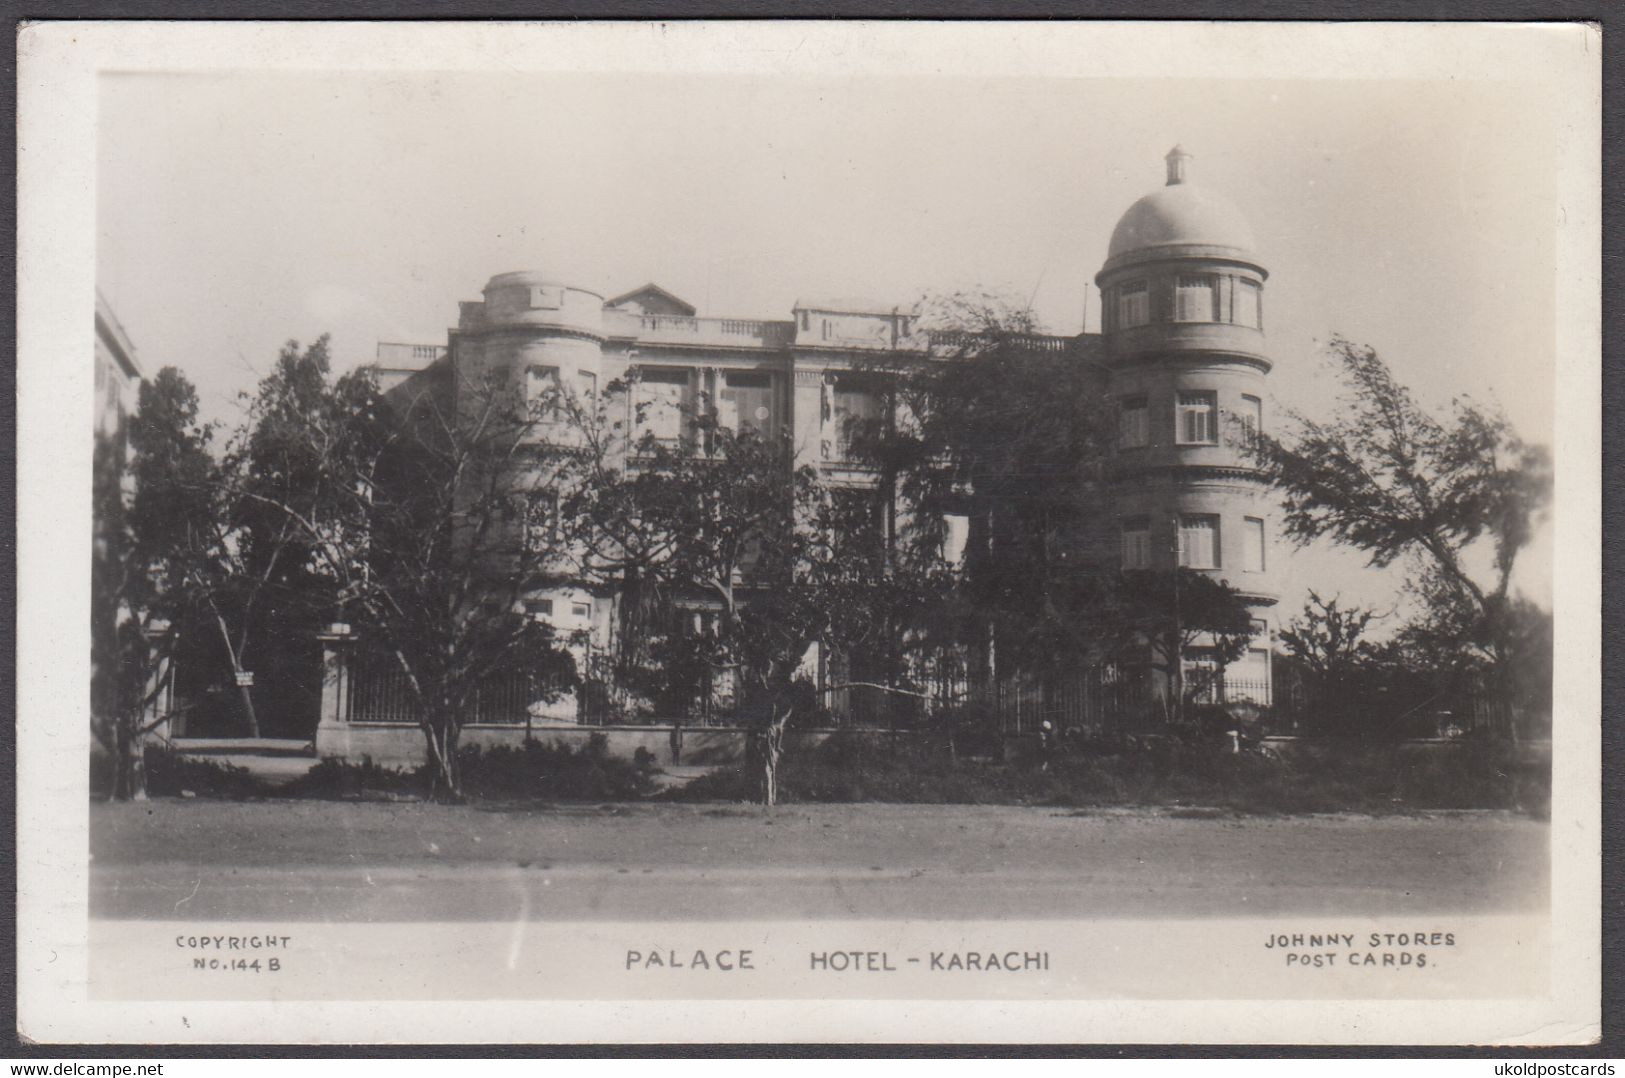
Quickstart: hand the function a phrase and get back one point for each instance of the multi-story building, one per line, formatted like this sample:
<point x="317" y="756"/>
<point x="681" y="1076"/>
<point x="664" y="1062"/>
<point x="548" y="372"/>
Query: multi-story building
<point x="117" y="379"/>
<point x="1181" y="355"/>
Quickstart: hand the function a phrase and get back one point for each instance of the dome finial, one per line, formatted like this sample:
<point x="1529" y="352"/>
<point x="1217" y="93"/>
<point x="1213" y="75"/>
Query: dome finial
<point x="1178" y="165"/>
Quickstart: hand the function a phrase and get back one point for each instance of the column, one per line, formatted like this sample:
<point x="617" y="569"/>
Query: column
<point x="807" y="417"/>
<point x="333" y="730"/>
<point x="157" y="715"/>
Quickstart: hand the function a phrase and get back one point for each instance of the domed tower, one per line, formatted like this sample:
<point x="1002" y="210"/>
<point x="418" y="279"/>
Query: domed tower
<point x="534" y="337"/>
<point x="1182" y="291"/>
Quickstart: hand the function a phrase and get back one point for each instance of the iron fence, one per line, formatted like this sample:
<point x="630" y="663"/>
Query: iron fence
<point x="380" y="692"/>
<point x="1091" y="701"/>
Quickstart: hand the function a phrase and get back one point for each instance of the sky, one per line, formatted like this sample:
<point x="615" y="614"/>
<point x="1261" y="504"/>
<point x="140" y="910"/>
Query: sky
<point x="237" y="211"/>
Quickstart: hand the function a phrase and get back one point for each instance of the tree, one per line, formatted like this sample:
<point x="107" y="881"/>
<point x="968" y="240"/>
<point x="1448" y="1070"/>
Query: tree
<point x="1175" y="615"/>
<point x="1328" y="643"/>
<point x="435" y="522"/>
<point x="760" y="553"/>
<point x="1392" y="480"/>
<point x="262" y="586"/>
<point x="1004" y="429"/>
<point x="1011" y="428"/>
<point x="163" y="548"/>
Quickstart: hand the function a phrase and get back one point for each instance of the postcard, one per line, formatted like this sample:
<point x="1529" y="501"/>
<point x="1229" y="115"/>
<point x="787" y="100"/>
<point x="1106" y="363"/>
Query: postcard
<point x="809" y="532"/>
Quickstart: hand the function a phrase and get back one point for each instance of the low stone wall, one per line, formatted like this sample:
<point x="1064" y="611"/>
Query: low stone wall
<point x="401" y="744"/>
<point x="1523" y="753"/>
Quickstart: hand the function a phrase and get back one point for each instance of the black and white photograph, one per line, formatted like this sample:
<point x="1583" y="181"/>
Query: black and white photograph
<point x="975" y="532"/>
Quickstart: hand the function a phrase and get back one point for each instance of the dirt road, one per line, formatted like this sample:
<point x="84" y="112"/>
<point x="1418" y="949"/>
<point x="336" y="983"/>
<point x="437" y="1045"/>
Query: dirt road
<point x="346" y="861"/>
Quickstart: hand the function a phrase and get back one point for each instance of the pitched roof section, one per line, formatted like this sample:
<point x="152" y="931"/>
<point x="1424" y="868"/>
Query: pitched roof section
<point x="652" y="299"/>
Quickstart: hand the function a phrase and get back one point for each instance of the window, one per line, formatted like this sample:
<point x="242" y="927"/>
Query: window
<point x="1199" y="542"/>
<point x="1248" y="678"/>
<point x="542" y="391"/>
<point x="1133" y="306"/>
<point x="1253" y="552"/>
<point x="539" y="608"/>
<point x="745" y="402"/>
<point x="1197" y="412"/>
<point x="1247" y="305"/>
<point x="751" y="553"/>
<point x="861" y="514"/>
<point x="854" y="406"/>
<point x="542" y="522"/>
<point x="1136" y="544"/>
<point x="1194" y="298"/>
<point x="1251" y="417"/>
<point x="1133" y="423"/>
<point x="662" y="401"/>
<point x="955" y="538"/>
<point x="586" y="388"/>
<point x="581" y="610"/>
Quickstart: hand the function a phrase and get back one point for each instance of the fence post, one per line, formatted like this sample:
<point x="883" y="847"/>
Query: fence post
<point x="333" y="731"/>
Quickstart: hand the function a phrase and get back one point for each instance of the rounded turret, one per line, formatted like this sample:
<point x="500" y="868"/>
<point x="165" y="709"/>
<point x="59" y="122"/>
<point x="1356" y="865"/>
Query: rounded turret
<point x="1183" y="292"/>
<point x="534" y="337"/>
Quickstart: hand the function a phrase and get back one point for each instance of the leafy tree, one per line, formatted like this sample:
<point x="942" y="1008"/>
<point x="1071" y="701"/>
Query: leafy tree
<point x="207" y="551"/>
<point x="1012" y="430"/>
<point x="760" y="552"/>
<point x="433" y="524"/>
<point x="1006" y="430"/>
<point x="160" y="551"/>
<point x="1327" y="641"/>
<point x="1392" y="480"/>
<point x="274" y="593"/>
<point x="1173" y="613"/>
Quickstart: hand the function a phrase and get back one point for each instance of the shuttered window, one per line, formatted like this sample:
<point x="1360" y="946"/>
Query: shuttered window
<point x="1198" y="414"/>
<point x="1136" y="544"/>
<point x="1251" y="417"/>
<point x="1133" y="423"/>
<point x="1248" y="311"/>
<point x="1194" y="298"/>
<point x="1133" y="306"/>
<point x="1199" y="542"/>
<point x="1253" y="549"/>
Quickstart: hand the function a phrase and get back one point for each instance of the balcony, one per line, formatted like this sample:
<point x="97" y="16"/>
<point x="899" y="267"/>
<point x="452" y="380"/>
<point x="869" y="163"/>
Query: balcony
<point x="715" y="332"/>
<point x="941" y="341"/>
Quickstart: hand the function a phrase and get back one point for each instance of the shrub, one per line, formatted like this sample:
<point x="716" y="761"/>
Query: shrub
<point x="170" y="774"/>
<point x="1161" y="771"/>
<point x="336" y="779"/>
<point x="553" y="772"/>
